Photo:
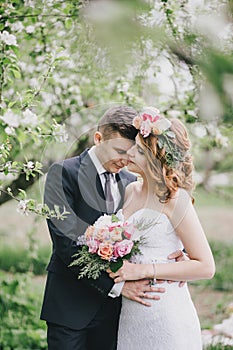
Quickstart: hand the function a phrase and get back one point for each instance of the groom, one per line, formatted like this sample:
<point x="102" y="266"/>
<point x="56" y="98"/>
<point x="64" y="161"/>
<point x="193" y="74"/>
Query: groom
<point x="83" y="314"/>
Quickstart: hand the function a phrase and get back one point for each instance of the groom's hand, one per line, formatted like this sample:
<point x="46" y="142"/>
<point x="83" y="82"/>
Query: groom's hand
<point x="178" y="255"/>
<point x="141" y="290"/>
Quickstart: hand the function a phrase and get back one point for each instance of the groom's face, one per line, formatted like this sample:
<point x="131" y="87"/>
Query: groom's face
<point x="112" y="152"/>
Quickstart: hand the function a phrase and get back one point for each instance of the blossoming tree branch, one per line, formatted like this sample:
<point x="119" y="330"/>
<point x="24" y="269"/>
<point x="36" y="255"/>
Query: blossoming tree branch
<point x="59" y="71"/>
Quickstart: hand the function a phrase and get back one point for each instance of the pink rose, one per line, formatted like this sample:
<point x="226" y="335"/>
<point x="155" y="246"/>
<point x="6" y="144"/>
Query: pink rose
<point x="93" y="246"/>
<point x="116" y="234"/>
<point x="157" y="117"/>
<point x="145" y="129"/>
<point x="113" y="226"/>
<point x="146" y="116"/>
<point x="129" y="230"/>
<point x="123" y="248"/>
<point x="101" y="234"/>
<point x="105" y="251"/>
<point x="149" y="117"/>
<point x="89" y="232"/>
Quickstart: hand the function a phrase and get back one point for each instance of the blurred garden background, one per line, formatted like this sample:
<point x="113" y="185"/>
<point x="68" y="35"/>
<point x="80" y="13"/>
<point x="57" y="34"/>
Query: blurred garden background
<point x="62" y="64"/>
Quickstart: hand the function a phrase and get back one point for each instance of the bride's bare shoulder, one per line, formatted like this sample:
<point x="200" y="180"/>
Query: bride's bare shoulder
<point x="177" y="205"/>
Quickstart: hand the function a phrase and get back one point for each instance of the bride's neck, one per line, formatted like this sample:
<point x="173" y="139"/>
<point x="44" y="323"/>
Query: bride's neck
<point x="148" y="186"/>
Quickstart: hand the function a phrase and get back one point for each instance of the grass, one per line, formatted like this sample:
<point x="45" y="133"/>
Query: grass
<point x="20" y="302"/>
<point x="214" y="199"/>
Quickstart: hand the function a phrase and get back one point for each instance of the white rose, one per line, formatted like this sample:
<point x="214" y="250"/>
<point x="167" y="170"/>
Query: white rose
<point x="162" y="124"/>
<point x="150" y="110"/>
<point x="104" y="220"/>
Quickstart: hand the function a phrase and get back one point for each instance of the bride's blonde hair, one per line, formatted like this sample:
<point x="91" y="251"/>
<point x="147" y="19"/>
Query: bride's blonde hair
<point x="168" y="178"/>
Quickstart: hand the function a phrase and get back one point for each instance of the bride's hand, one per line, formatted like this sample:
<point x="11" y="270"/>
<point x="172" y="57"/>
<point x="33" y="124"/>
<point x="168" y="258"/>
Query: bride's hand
<point x="129" y="272"/>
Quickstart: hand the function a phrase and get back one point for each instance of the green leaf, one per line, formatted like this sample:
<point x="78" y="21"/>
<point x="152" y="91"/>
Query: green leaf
<point x="11" y="104"/>
<point x="68" y="23"/>
<point x="22" y="194"/>
<point x="16" y="73"/>
<point x="115" y="218"/>
<point x="171" y="134"/>
<point x="114" y="266"/>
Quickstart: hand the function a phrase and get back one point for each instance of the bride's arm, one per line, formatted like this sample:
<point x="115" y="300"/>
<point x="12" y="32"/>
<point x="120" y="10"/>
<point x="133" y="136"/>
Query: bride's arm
<point x="187" y="226"/>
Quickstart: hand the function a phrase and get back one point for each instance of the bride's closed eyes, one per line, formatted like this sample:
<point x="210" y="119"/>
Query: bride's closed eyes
<point x="140" y="150"/>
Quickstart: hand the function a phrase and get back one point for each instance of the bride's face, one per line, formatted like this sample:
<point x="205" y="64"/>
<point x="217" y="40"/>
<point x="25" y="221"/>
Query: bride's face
<point x="137" y="159"/>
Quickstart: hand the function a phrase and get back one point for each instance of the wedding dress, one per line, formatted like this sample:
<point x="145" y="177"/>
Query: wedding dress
<point x="171" y="323"/>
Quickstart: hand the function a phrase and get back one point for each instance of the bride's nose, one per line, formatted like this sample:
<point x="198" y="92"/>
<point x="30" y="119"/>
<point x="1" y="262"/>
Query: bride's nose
<point x="131" y="151"/>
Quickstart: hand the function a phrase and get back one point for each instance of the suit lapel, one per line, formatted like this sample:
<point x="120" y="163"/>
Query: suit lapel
<point x="122" y="183"/>
<point x="90" y="184"/>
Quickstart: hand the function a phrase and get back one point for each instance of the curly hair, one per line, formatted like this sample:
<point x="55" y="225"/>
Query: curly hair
<point x="169" y="178"/>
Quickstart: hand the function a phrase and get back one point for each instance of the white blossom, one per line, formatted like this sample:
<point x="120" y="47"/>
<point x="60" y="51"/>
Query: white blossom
<point x="8" y="39"/>
<point x="222" y="140"/>
<point x="48" y="99"/>
<point x="174" y="113"/>
<point x="9" y="130"/>
<point x="17" y="27"/>
<point x="11" y="119"/>
<point x="22" y="207"/>
<point x="124" y="87"/>
<point x="75" y="119"/>
<point x="199" y="130"/>
<point x="30" y="29"/>
<point x="30" y="3"/>
<point x="34" y="83"/>
<point x="60" y="134"/>
<point x="30" y="165"/>
<point x="29" y="119"/>
<point x="8" y="165"/>
<point x="154" y="18"/>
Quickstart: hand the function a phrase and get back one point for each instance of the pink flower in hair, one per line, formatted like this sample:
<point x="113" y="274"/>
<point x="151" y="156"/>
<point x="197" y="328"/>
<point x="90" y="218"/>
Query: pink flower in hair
<point x="150" y="122"/>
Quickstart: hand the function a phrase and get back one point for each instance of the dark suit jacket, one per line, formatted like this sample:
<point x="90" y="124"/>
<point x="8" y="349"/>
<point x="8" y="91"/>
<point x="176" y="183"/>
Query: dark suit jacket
<point x="74" y="184"/>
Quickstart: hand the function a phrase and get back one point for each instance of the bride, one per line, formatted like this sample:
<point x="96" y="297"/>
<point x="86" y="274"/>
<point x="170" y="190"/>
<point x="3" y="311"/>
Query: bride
<point x="164" y="198"/>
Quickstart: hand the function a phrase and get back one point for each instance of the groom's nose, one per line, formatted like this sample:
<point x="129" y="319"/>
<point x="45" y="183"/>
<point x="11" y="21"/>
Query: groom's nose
<point x="124" y="161"/>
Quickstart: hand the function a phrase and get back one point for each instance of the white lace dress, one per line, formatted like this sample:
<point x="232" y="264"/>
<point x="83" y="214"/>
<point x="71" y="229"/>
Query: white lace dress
<point x="171" y="323"/>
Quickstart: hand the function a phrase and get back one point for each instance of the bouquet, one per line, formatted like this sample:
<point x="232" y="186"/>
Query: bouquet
<point x="104" y="245"/>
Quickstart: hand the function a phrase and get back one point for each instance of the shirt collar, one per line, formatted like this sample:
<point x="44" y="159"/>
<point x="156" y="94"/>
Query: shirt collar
<point x="99" y="167"/>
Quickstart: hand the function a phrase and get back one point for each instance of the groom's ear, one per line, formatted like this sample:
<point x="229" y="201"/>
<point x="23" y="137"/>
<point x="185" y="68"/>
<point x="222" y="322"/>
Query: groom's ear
<point x="98" y="137"/>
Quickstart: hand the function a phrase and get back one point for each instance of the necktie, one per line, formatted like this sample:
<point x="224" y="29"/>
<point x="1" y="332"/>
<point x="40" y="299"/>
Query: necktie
<point x="108" y="193"/>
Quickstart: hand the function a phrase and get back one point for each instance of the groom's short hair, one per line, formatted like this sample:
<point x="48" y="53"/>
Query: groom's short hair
<point x="118" y="119"/>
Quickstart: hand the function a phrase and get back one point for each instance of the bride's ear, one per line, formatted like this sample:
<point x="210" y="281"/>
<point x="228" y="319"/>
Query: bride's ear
<point x="98" y="137"/>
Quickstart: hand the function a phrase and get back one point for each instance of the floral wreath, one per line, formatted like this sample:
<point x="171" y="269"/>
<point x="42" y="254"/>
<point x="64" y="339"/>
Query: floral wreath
<point x="150" y="122"/>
